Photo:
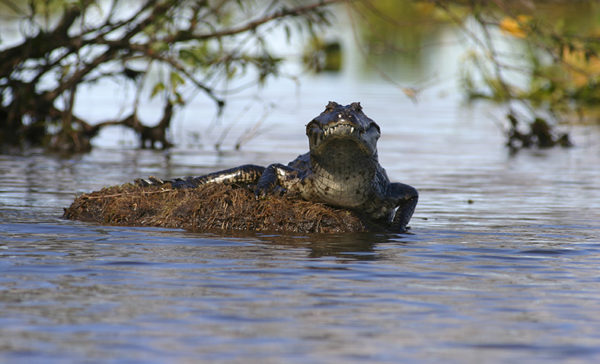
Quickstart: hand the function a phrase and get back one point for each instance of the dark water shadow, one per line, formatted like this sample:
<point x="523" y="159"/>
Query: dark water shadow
<point x="554" y="352"/>
<point x="347" y="246"/>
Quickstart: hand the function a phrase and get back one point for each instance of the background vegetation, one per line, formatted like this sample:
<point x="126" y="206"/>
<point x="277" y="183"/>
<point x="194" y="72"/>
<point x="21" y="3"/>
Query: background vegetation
<point x="540" y="59"/>
<point x="66" y="44"/>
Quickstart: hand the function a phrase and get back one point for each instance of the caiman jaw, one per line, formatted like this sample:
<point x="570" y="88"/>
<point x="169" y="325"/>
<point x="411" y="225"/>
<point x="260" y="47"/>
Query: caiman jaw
<point x="341" y="129"/>
<point x="321" y="137"/>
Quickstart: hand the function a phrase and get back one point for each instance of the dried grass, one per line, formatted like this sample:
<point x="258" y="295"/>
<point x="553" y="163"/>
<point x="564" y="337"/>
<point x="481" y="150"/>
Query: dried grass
<point x="210" y="207"/>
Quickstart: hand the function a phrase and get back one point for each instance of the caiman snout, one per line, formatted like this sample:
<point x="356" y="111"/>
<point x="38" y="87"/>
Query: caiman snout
<point x="339" y="122"/>
<point x="340" y="125"/>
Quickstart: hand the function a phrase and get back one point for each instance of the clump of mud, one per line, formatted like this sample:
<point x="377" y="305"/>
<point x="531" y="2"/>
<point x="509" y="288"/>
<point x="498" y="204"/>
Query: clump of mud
<point x="208" y="208"/>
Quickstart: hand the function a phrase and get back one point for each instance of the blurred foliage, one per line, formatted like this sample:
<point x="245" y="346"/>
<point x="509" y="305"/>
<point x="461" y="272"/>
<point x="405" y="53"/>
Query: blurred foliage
<point x="393" y="34"/>
<point x="320" y="55"/>
<point x="541" y="59"/>
<point x="167" y="46"/>
<point x="382" y="18"/>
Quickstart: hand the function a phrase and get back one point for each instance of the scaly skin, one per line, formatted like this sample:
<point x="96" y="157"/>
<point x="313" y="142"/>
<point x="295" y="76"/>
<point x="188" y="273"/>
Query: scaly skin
<point x="341" y="169"/>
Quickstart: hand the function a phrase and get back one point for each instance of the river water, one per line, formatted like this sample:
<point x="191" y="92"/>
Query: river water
<point x="502" y="263"/>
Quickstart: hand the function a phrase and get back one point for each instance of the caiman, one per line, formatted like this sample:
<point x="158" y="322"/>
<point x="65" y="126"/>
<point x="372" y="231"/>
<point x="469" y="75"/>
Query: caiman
<point x="341" y="169"/>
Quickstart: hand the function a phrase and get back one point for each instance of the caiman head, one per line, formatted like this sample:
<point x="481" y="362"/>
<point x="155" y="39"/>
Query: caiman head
<point x="343" y="130"/>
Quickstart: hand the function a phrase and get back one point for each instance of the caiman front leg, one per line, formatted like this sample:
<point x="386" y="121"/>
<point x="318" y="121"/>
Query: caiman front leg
<point x="246" y="174"/>
<point x="276" y="178"/>
<point x="405" y="197"/>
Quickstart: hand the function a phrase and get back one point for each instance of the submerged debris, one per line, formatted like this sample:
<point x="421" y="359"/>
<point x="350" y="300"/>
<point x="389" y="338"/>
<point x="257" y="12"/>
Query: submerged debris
<point x="210" y="207"/>
<point x="540" y="134"/>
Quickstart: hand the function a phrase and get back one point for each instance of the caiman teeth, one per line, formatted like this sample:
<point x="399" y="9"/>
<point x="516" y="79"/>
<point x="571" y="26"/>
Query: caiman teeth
<point x="341" y="129"/>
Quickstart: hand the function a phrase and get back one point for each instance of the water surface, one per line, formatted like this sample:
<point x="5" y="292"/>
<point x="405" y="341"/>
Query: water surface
<point x="501" y="264"/>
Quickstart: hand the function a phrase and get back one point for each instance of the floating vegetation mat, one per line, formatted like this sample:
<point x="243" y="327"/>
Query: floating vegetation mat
<point x="208" y="208"/>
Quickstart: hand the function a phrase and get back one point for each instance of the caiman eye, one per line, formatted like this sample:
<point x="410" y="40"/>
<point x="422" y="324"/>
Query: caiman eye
<point x="331" y="105"/>
<point x="356" y="106"/>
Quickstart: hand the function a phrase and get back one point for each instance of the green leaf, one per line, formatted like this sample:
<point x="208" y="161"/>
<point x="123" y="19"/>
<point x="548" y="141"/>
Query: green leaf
<point x="288" y="32"/>
<point x="176" y="80"/>
<point x="158" y="87"/>
<point x="178" y="99"/>
<point x="159" y="47"/>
